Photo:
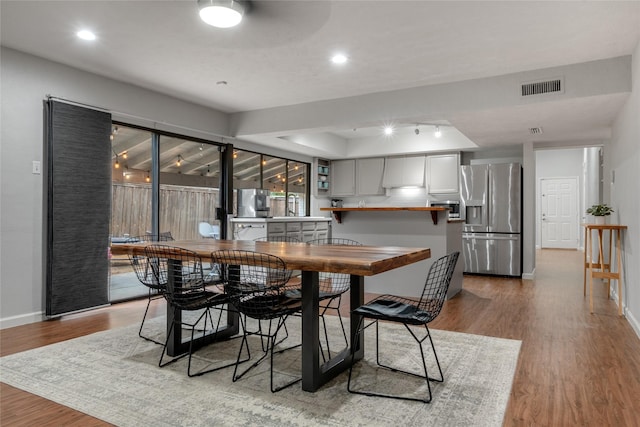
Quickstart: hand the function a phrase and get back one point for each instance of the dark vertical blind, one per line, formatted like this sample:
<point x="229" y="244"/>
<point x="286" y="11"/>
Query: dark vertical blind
<point x="78" y="152"/>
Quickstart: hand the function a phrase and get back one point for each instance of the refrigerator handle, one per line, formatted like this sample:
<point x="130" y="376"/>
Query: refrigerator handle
<point x="472" y="236"/>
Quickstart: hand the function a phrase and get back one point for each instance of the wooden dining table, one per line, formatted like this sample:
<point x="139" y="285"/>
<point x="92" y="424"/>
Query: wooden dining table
<point x="357" y="261"/>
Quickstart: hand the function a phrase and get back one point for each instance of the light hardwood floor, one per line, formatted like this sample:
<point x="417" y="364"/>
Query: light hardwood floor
<point x="574" y="369"/>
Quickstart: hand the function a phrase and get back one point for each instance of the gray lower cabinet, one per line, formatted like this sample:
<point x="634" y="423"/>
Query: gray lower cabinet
<point x="303" y="229"/>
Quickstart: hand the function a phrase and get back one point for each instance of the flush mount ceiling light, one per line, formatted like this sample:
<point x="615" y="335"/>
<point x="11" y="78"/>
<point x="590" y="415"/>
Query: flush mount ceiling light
<point x="339" y="58"/>
<point x="86" y="35"/>
<point x="221" y="13"/>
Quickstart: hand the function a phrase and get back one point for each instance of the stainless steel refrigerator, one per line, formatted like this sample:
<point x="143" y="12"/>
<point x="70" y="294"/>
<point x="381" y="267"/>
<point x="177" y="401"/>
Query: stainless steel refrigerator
<point x="491" y="198"/>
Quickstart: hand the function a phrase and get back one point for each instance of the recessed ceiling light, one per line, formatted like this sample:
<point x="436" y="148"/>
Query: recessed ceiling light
<point x="86" y="35"/>
<point x="388" y="130"/>
<point x="339" y="58"/>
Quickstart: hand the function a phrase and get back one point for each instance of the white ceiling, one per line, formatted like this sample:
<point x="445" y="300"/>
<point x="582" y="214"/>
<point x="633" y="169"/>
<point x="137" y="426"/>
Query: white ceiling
<point x="279" y="56"/>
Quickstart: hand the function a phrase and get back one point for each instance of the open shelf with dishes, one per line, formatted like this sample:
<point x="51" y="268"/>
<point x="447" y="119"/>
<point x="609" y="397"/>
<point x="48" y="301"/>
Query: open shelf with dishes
<point x="323" y="174"/>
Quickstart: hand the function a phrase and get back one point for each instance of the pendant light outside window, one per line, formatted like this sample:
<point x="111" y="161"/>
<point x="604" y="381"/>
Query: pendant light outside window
<point x="221" y="13"/>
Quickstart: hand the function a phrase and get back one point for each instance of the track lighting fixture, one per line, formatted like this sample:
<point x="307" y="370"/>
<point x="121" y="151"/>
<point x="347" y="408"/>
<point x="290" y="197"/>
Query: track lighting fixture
<point x="417" y="131"/>
<point x="179" y="162"/>
<point x="438" y="133"/>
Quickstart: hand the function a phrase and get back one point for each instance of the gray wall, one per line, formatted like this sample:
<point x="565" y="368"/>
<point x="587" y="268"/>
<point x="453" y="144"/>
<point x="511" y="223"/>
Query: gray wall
<point x="622" y="159"/>
<point x="25" y="82"/>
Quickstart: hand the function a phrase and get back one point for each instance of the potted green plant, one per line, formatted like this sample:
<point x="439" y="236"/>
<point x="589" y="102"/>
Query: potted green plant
<point x="600" y="212"/>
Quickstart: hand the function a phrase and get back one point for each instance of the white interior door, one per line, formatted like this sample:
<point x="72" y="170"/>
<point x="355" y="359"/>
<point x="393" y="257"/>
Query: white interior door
<point x="559" y="223"/>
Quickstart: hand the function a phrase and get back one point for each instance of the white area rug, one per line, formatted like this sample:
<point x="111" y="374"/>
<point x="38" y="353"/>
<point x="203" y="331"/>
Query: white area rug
<point x="113" y="376"/>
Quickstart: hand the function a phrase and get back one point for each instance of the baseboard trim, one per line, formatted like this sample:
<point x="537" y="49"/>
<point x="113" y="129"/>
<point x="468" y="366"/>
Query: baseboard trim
<point x="635" y="325"/>
<point x="23" y="319"/>
<point x="529" y="276"/>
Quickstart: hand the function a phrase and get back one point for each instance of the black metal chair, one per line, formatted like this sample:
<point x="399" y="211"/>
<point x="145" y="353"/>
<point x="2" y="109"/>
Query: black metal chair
<point x="286" y="239"/>
<point x="256" y="284"/>
<point x="332" y="286"/>
<point x="408" y="312"/>
<point x="145" y="274"/>
<point x="181" y="271"/>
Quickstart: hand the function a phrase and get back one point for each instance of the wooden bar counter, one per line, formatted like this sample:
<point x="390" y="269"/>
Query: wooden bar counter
<point x="337" y="212"/>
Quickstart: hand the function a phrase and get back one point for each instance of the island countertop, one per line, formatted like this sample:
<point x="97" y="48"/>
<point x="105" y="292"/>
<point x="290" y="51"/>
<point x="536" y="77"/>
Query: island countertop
<point x="337" y="212"/>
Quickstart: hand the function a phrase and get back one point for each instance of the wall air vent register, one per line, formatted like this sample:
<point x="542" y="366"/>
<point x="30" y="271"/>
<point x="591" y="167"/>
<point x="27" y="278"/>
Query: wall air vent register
<point x="540" y="87"/>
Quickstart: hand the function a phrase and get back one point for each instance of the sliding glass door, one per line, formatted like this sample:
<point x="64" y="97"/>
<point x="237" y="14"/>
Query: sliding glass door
<point x="131" y="204"/>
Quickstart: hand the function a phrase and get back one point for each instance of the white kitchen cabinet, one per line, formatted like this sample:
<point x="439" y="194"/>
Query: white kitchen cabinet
<point x="403" y="172"/>
<point x="443" y="173"/>
<point x="343" y="178"/>
<point x="369" y="177"/>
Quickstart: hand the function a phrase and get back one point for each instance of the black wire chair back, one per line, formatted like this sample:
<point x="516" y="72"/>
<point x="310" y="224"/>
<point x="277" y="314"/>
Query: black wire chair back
<point x="186" y="290"/>
<point x="144" y="272"/>
<point x="255" y="282"/>
<point x="334" y="241"/>
<point x="184" y="267"/>
<point x="286" y="239"/>
<point x="334" y="284"/>
<point x="437" y="284"/>
<point x="140" y="263"/>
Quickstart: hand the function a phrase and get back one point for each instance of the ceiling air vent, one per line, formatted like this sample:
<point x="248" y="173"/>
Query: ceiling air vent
<point x="535" y="131"/>
<point x="540" y="87"/>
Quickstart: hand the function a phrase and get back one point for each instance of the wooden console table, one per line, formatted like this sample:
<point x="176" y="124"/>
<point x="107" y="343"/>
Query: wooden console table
<point x="602" y="268"/>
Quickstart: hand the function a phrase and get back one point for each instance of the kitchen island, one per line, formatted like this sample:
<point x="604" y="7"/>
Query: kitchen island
<point x="302" y="228"/>
<point x="403" y="226"/>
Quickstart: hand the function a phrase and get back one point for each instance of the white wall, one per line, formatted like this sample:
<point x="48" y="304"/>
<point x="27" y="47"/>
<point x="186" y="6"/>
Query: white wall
<point x="25" y="82"/>
<point x="623" y="160"/>
<point x="558" y="163"/>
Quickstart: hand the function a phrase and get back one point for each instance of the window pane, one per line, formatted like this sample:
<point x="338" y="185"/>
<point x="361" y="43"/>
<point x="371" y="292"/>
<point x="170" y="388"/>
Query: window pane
<point x="131" y="196"/>
<point x="297" y="189"/>
<point x="189" y="184"/>
<point x="274" y="179"/>
<point x="130" y="204"/>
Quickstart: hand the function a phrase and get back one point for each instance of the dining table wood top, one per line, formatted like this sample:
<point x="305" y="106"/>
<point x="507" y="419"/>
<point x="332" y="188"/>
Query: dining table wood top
<point x="355" y="260"/>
